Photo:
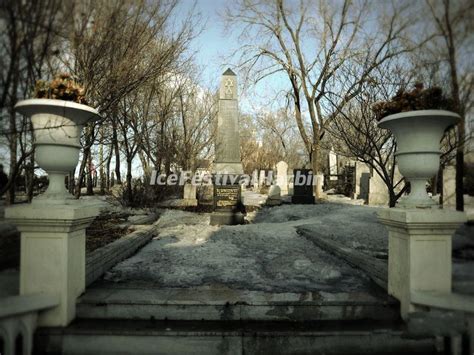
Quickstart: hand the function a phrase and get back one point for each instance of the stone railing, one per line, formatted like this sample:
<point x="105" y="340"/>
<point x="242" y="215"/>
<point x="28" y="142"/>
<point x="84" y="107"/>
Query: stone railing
<point x="18" y="319"/>
<point x="451" y="315"/>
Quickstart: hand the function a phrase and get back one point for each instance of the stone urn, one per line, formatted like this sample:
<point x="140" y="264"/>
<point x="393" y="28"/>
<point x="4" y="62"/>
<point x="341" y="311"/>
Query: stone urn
<point x="418" y="135"/>
<point x="57" y="128"/>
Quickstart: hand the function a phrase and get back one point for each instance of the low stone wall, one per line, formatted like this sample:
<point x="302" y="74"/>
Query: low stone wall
<point x="101" y="260"/>
<point x="376" y="269"/>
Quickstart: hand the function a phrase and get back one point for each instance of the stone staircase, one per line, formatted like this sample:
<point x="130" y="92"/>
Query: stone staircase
<point x="129" y="319"/>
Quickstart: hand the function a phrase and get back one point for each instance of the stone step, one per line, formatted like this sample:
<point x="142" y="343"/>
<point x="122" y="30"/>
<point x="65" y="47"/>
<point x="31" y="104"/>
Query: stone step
<point x="201" y="337"/>
<point x="208" y="303"/>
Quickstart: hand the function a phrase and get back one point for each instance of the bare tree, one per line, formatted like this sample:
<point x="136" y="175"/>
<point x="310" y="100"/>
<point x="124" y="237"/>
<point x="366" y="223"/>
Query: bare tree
<point x="310" y="43"/>
<point x="118" y="46"/>
<point x="281" y="136"/>
<point x="355" y="130"/>
<point x="453" y="25"/>
<point x="197" y="110"/>
<point x="29" y="35"/>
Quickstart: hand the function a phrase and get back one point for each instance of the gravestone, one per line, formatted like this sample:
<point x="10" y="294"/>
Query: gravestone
<point x="302" y="187"/>
<point x="261" y="178"/>
<point x="189" y="195"/>
<point x="290" y="189"/>
<point x="449" y="186"/>
<point x="362" y="174"/>
<point x="378" y="192"/>
<point x="364" y="183"/>
<point x="274" y="196"/>
<point x="228" y="207"/>
<point x="255" y="180"/>
<point x="205" y="195"/>
<point x="282" y="177"/>
<point x="332" y="165"/>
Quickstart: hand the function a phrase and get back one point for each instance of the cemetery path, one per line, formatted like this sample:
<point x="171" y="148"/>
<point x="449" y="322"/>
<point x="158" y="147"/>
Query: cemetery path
<point x="266" y="255"/>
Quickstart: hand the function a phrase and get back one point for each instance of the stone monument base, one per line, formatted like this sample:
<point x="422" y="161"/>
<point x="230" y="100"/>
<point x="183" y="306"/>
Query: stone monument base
<point x="228" y="208"/>
<point x="273" y="202"/>
<point x="227" y="218"/>
<point x="302" y="199"/>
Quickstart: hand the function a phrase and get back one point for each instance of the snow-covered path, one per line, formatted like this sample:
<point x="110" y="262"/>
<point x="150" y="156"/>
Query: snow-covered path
<point x="266" y="255"/>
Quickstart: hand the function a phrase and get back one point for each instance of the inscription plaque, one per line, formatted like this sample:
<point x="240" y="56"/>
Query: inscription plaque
<point x="226" y="197"/>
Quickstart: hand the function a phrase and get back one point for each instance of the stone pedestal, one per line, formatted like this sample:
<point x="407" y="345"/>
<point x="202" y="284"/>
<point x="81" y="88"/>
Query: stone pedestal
<point x="53" y="254"/>
<point x="419" y="251"/>
<point x="228" y="205"/>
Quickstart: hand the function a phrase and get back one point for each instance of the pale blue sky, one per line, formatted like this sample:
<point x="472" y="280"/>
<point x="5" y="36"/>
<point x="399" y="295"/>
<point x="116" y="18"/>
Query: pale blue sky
<point x="214" y="48"/>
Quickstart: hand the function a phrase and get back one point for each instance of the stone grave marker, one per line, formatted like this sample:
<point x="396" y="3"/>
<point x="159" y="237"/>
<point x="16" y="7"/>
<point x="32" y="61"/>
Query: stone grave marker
<point x="302" y="187"/>
<point x="282" y="177"/>
<point x="228" y="207"/>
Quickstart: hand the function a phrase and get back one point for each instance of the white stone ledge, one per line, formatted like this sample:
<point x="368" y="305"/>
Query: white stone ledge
<point x="449" y="301"/>
<point x="439" y="220"/>
<point x="16" y="305"/>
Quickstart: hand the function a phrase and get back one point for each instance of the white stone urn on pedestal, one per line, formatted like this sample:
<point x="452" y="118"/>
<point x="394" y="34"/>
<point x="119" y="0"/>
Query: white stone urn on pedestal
<point x="57" y="126"/>
<point x="418" y="135"/>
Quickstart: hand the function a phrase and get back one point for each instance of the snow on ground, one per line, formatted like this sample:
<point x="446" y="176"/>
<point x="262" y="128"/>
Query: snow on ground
<point x="252" y="198"/>
<point x="262" y="256"/>
<point x="267" y="254"/>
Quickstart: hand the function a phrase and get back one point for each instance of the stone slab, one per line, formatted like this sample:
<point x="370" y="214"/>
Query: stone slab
<point x="201" y="303"/>
<point x="150" y="337"/>
<point x="227" y="218"/>
<point x="302" y="200"/>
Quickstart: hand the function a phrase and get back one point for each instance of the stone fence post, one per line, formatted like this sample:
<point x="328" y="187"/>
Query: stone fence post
<point x="420" y="250"/>
<point x="53" y="256"/>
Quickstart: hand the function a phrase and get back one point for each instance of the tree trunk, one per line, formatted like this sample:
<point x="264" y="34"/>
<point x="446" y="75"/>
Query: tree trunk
<point x="145" y="166"/>
<point x="30" y="175"/>
<point x="392" y="198"/>
<point x="441" y="192"/>
<point x="118" y="178"/>
<point x="129" y="181"/>
<point x="71" y="181"/>
<point x="316" y="166"/>
<point x="81" y="173"/>
<point x="460" y="171"/>
<point x="459" y="109"/>
<point x="10" y="200"/>
<point x="90" y="183"/>
<point x="107" y="168"/>
<point x="102" y="162"/>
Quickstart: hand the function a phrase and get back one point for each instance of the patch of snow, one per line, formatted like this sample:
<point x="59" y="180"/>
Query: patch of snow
<point x="265" y="256"/>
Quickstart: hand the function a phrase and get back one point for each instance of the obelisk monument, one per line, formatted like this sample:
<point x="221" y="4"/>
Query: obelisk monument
<point x="228" y="207"/>
<point x="227" y="148"/>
